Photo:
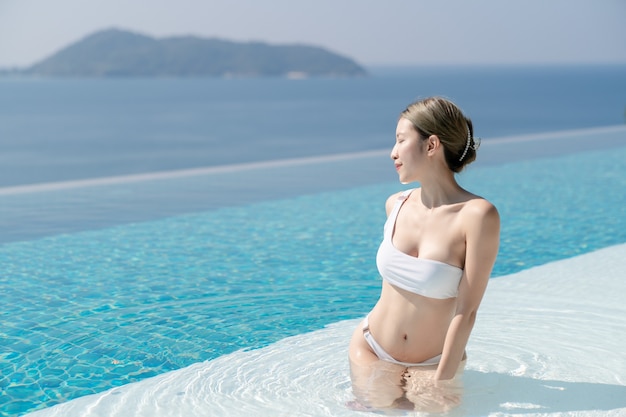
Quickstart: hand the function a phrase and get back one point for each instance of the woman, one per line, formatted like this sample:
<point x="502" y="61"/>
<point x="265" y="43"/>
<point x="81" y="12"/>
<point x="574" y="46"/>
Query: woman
<point x="440" y="243"/>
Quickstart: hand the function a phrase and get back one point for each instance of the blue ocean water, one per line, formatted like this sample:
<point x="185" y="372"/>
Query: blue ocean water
<point x="53" y="130"/>
<point x="118" y="300"/>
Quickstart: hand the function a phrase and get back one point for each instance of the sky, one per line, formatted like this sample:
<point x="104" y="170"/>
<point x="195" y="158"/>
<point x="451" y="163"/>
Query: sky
<point x="374" y="33"/>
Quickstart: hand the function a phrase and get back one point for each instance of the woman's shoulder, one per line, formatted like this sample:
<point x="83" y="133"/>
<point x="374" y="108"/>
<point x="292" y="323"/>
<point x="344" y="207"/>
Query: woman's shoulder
<point x="478" y="210"/>
<point x="395" y="197"/>
<point x="476" y="202"/>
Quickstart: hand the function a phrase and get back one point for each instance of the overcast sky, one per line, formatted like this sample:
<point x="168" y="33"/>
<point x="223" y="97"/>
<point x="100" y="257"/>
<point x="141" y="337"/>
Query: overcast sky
<point x="373" y="32"/>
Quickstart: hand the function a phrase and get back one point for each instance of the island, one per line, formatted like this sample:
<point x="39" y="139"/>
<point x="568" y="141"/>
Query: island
<point x="121" y="53"/>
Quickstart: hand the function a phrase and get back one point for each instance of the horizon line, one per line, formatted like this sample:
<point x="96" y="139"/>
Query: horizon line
<point x="10" y="69"/>
<point x="275" y="163"/>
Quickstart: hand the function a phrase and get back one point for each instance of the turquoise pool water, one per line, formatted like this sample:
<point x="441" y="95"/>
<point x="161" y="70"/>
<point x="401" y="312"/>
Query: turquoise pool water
<point x="95" y="308"/>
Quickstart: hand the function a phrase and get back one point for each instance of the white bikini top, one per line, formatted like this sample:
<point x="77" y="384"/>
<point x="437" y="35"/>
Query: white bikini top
<point x="426" y="277"/>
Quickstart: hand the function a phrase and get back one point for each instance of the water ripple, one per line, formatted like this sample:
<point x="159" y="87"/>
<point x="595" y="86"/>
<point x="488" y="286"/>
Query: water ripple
<point x="531" y="353"/>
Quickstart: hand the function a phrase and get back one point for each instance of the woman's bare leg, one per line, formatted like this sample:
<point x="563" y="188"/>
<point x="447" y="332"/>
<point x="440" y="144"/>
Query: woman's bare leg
<point x="375" y="383"/>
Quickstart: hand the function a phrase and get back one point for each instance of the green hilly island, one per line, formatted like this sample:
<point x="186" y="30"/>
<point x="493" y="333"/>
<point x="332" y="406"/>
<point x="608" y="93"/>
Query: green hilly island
<point x="119" y="53"/>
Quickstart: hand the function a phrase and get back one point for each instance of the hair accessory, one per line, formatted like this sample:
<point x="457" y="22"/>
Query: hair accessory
<point x="467" y="145"/>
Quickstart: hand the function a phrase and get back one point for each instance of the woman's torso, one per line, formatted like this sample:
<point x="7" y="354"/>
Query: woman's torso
<point x="410" y="321"/>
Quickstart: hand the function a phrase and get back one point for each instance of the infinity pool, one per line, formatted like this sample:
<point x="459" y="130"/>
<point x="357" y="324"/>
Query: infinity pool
<point x="113" y="282"/>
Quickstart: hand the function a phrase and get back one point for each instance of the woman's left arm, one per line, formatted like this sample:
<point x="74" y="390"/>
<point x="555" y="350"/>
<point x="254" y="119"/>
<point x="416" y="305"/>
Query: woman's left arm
<point x="482" y="238"/>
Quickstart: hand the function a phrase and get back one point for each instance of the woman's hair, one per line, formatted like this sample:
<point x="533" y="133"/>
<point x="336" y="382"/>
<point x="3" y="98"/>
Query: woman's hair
<point x="439" y="116"/>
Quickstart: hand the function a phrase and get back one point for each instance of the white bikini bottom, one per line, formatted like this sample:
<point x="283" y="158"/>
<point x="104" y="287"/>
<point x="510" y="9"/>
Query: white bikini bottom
<point x="383" y="355"/>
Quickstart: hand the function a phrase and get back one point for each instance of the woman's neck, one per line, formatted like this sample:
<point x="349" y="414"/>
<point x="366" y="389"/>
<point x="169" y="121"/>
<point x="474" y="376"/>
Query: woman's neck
<point x="440" y="190"/>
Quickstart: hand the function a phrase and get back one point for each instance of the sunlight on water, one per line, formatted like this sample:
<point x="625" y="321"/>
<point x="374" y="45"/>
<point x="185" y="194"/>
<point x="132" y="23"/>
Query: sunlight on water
<point x="549" y="341"/>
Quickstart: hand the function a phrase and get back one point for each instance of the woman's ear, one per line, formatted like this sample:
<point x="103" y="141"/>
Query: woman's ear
<point x="432" y="144"/>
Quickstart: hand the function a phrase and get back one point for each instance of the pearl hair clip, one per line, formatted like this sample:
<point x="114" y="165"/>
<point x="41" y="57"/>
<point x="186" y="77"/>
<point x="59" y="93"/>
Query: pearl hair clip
<point x="467" y="144"/>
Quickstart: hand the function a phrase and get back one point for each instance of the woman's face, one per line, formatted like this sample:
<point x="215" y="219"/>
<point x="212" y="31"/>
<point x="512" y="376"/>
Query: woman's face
<point x="407" y="153"/>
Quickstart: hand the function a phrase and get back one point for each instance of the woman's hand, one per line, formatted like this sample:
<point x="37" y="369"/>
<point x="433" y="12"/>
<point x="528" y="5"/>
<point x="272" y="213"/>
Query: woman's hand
<point x="430" y="395"/>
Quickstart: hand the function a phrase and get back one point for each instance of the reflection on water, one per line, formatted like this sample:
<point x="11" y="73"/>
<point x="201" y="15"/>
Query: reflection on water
<point x="385" y="387"/>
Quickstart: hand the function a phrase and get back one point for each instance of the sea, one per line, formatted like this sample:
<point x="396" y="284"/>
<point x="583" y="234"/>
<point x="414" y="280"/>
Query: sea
<point x="66" y="129"/>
